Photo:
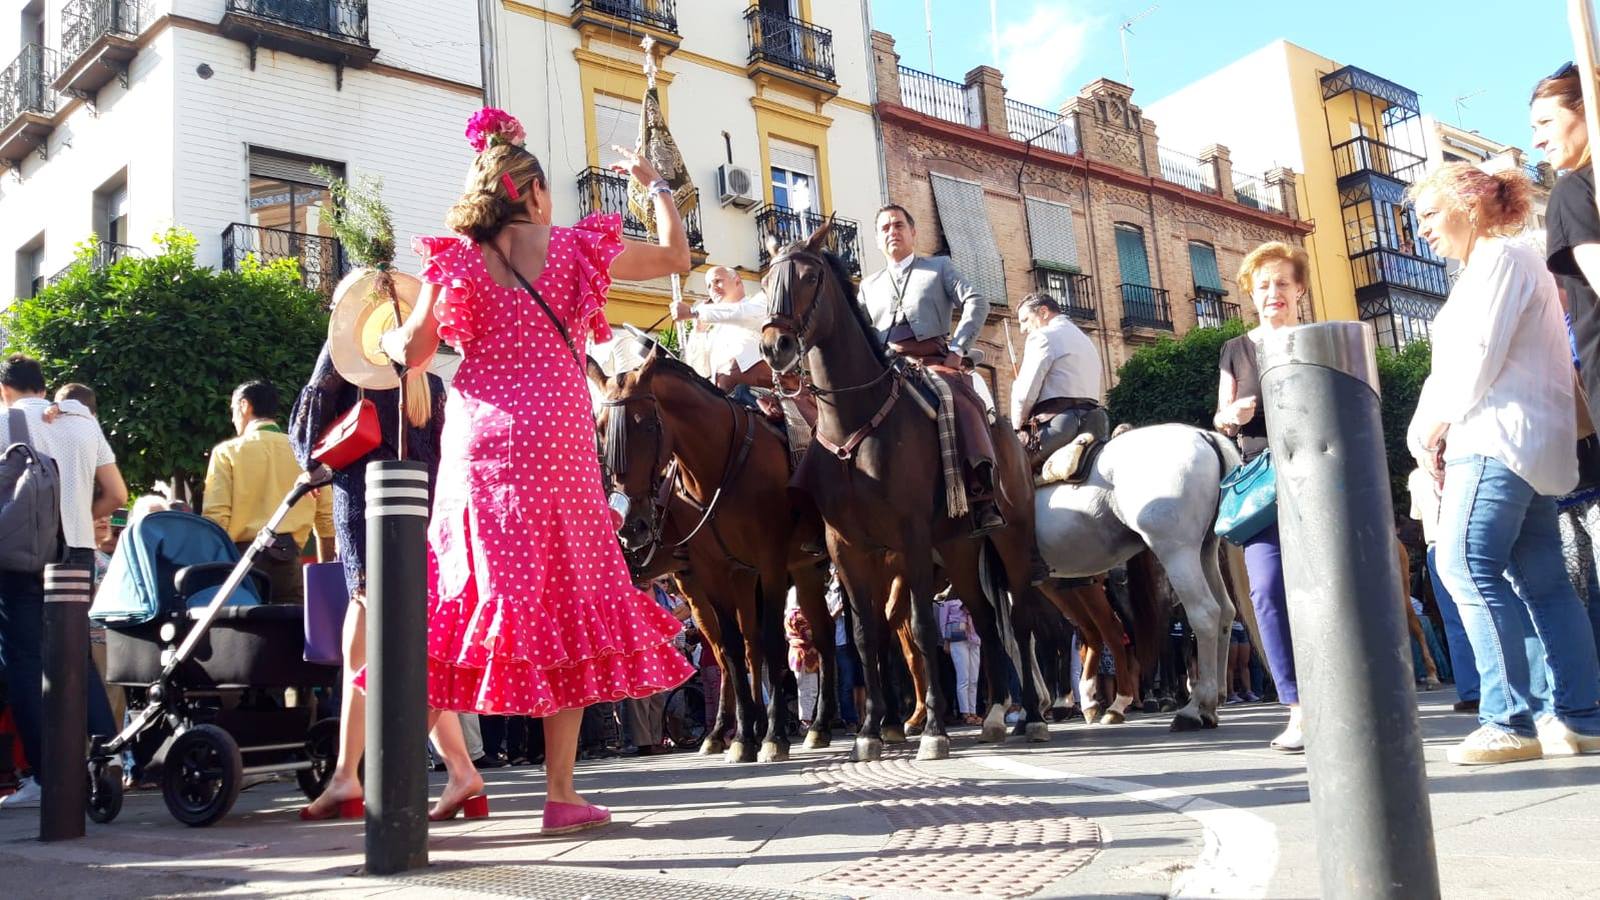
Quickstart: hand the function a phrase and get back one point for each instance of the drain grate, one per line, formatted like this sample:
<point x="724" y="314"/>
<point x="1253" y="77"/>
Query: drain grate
<point x="566" y="882"/>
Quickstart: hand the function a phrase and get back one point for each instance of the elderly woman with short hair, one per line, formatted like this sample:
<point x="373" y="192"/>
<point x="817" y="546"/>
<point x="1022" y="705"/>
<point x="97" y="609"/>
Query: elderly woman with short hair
<point x="1495" y="428"/>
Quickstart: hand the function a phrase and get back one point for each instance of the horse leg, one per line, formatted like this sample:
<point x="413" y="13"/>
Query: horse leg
<point x="918" y="575"/>
<point x="710" y="625"/>
<point x="812" y="589"/>
<point x="1194" y="591"/>
<point x="1073" y="605"/>
<point x="1098" y="606"/>
<point x="1012" y="549"/>
<point x="856" y="573"/>
<point x="1413" y="624"/>
<point x="913" y="655"/>
<point x="1211" y="566"/>
<point x="773" y="591"/>
<point x="746" y="656"/>
<point x="965" y="580"/>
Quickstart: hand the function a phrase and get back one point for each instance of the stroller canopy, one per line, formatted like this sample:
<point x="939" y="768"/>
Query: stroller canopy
<point x="139" y="582"/>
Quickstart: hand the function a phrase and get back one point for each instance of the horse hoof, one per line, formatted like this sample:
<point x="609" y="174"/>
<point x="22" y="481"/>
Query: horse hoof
<point x="894" y="734"/>
<point x="913" y="731"/>
<point x="1112" y="717"/>
<point x="866" y="749"/>
<point x="992" y="734"/>
<point x="933" y="746"/>
<point x="1091" y="715"/>
<point x="1208" y="719"/>
<point x="771" y="751"/>
<point x="1432" y="684"/>
<point x="1187" y="722"/>
<point x="1038" y="733"/>
<point x="816" y="740"/>
<point x="740" y="752"/>
<point x="712" y="746"/>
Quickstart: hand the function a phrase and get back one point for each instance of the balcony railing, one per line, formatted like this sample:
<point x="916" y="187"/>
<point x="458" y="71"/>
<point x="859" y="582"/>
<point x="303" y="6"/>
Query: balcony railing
<point x="84" y="22"/>
<point x="345" y="20"/>
<point x="1181" y="168"/>
<point x="1073" y="290"/>
<point x="105" y="254"/>
<point x="321" y="259"/>
<point x="941" y="98"/>
<point x="660" y="14"/>
<point x="1364" y="154"/>
<point x="1211" y="307"/>
<point x="1255" y="193"/>
<point x="1382" y="266"/>
<point x="604" y="191"/>
<point x="1145" y="307"/>
<point x="790" y="43"/>
<point x="1047" y="130"/>
<point x="25" y="84"/>
<point x="1540" y="175"/>
<point x="791" y="225"/>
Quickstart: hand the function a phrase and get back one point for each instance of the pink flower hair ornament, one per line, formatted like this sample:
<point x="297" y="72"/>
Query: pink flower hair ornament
<point x="490" y="126"/>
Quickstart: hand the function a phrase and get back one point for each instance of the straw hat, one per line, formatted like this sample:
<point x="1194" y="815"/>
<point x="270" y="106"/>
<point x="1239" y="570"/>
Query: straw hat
<point x="360" y="317"/>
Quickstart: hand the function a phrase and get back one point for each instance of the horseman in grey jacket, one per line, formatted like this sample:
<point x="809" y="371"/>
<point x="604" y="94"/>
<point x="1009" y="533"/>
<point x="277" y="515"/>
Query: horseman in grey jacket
<point x="912" y="302"/>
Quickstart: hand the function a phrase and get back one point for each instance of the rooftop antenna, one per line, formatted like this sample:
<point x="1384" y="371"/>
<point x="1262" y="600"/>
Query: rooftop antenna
<point x="1461" y="103"/>
<point x="927" y="18"/>
<point x="994" y="32"/>
<point x="1123" y="32"/>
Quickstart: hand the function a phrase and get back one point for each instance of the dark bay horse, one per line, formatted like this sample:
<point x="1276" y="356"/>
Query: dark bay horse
<point x="708" y="475"/>
<point x="882" y="500"/>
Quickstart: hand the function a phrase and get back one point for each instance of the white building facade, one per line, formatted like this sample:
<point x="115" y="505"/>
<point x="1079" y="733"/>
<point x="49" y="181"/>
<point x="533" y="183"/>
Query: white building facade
<point x="122" y="118"/>
<point x="770" y="105"/>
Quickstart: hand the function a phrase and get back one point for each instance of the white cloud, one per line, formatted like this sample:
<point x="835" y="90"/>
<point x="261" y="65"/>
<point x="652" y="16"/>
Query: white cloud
<point x="1039" y="52"/>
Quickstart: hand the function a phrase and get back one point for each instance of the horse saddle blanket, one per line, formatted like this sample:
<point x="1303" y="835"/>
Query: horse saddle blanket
<point x="1072" y="463"/>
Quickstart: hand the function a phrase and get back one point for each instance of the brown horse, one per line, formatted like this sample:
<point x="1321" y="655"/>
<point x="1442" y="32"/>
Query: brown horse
<point x="881" y="500"/>
<point x="709" y="476"/>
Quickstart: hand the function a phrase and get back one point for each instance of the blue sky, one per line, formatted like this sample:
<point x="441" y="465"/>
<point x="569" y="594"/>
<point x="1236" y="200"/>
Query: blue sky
<point x="1050" y="48"/>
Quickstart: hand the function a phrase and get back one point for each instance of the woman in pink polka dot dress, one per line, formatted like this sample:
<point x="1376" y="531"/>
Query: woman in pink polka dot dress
<point x="532" y="610"/>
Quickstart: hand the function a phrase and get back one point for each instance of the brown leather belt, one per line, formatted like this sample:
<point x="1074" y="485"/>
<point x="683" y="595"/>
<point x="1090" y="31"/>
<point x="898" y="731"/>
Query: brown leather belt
<point x="1055" y="406"/>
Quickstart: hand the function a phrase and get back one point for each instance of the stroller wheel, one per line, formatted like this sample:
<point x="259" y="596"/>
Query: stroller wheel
<point x="322" y="749"/>
<point x="202" y="775"/>
<point x="105" y="791"/>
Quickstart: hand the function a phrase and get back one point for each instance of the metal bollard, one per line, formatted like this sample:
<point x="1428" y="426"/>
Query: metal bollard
<point x="1369" y="795"/>
<point x="397" y="674"/>
<point x="63" y="777"/>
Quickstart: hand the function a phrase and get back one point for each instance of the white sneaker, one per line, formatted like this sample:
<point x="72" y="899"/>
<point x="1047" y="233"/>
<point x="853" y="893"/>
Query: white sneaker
<point x="1556" y="739"/>
<point x="1292" y="739"/>
<point x="1489" y="745"/>
<point x="26" y="797"/>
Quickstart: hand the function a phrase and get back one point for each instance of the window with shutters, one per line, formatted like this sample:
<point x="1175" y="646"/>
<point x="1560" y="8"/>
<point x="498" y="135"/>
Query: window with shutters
<point x="793" y="169"/>
<point x="30" y="268"/>
<point x="111" y="210"/>
<point x="1132" y="261"/>
<point x="1050" y="234"/>
<point x="964" y="218"/>
<point x="616" y="124"/>
<point x="286" y="194"/>
<point x="1203" y="265"/>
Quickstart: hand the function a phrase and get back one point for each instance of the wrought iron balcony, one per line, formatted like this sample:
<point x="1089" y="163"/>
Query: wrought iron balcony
<point x="1398" y="316"/>
<point x="1364" y="154"/>
<point x="941" y="98"/>
<point x="603" y="191"/>
<point x="1145" y="307"/>
<point x="1074" y="291"/>
<point x="333" y="31"/>
<point x="1540" y="174"/>
<point x="1381" y="266"/>
<point x="1047" y="130"/>
<point x="788" y="43"/>
<point x="1248" y="190"/>
<point x="1192" y="173"/>
<point x="105" y="254"/>
<point x="790" y="225"/>
<point x="27" y="103"/>
<point x="661" y="15"/>
<point x="1211" y="307"/>
<point x="321" y="259"/>
<point x="98" y="41"/>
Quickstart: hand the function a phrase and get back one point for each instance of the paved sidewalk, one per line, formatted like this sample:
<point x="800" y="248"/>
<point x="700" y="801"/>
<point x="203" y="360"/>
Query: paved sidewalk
<point x="1127" y="811"/>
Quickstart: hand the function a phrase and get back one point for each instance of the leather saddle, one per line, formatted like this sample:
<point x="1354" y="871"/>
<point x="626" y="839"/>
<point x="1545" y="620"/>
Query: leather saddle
<point x="1073" y="463"/>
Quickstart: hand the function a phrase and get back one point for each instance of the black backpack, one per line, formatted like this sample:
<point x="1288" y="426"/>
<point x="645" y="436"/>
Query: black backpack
<point x="30" y="504"/>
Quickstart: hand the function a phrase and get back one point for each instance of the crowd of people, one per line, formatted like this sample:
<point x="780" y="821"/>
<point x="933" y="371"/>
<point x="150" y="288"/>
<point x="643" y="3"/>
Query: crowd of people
<point x="534" y="614"/>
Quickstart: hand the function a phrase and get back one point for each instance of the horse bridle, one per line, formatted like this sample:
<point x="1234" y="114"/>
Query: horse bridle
<point x="780" y="316"/>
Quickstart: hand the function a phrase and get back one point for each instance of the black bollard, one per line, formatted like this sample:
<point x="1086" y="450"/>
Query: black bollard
<point x="63" y="773"/>
<point x="1369" y="794"/>
<point x="397" y="672"/>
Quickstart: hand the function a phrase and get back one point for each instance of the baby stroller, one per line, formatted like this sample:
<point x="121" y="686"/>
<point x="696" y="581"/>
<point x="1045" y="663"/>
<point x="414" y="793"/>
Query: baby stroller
<point x="186" y="628"/>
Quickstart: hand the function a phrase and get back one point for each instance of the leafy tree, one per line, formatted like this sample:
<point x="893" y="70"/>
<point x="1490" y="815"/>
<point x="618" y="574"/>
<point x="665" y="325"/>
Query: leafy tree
<point x="1172" y="380"/>
<point x="1400" y="375"/>
<point x="163" y="341"/>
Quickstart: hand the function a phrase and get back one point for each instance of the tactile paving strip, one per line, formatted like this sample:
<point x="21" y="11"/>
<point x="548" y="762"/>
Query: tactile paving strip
<point x="567" y="882"/>
<point x="949" y="838"/>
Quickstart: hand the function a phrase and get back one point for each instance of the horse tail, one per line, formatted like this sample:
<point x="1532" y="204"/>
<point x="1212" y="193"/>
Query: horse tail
<point x="992" y="575"/>
<point x="1148" y="610"/>
<point x="1228" y="457"/>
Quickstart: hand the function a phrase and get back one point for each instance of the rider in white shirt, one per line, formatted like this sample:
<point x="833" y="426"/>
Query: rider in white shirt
<point x="727" y="330"/>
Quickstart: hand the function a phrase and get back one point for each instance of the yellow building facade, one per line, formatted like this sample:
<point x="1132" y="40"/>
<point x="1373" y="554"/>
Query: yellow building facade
<point x="1358" y="140"/>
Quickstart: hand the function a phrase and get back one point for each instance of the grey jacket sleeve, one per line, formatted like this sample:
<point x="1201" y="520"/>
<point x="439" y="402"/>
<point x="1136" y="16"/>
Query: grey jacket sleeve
<point x="974" y="308"/>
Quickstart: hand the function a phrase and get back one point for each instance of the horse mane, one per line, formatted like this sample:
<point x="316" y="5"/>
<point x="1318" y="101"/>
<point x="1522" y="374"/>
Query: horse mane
<point x="683" y="370"/>
<point x="852" y="299"/>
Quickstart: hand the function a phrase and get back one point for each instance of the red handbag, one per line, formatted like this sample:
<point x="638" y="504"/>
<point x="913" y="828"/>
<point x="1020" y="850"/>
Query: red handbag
<point x="351" y="437"/>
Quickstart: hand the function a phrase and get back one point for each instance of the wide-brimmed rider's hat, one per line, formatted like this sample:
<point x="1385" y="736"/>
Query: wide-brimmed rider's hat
<point x="360" y="317"/>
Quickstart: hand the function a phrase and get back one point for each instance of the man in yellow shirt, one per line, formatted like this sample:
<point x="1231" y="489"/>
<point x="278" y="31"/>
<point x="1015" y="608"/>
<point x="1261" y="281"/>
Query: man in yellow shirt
<point x="250" y="475"/>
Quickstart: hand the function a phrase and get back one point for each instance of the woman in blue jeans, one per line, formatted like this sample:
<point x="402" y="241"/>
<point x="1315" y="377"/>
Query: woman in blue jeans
<point x="1274" y="275"/>
<point x="1495" y="427"/>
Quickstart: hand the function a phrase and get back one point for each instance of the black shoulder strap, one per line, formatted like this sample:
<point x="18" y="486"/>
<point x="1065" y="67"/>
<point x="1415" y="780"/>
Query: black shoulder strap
<point x="19" y="427"/>
<point x="560" y="328"/>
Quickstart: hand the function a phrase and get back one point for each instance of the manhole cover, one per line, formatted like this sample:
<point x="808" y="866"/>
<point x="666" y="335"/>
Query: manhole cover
<point x="564" y="883"/>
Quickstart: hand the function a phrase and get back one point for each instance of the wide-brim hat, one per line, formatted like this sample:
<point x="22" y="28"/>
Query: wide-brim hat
<point x="360" y="317"/>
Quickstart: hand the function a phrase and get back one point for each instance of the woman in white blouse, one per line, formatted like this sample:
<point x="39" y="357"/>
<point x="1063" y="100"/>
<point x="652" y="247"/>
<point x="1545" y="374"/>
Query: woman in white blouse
<point x="1495" y="427"/>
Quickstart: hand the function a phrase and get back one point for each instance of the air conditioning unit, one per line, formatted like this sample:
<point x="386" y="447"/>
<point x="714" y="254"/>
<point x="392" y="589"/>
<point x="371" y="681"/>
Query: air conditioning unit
<point x="736" y="186"/>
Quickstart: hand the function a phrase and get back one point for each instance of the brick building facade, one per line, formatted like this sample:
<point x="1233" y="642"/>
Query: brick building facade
<point x="1139" y="242"/>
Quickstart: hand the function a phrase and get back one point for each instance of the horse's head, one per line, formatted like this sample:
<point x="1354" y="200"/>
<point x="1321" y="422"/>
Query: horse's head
<point x="801" y="286"/>
<point x="636" y="450"/>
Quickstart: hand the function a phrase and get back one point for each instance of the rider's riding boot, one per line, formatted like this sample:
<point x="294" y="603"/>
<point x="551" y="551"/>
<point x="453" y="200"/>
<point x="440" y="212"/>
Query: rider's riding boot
<point x="986" y="515"/>
<point x="1038" y="570"/>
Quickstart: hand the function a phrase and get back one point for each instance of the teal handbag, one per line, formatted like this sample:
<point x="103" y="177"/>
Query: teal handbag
<point x="1249" y="501"/>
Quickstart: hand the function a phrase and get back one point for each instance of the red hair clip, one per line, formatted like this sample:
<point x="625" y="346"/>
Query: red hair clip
<point x="511" y="186"/>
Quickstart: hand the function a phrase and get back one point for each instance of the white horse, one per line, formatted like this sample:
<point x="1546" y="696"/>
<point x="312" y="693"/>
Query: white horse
<point x="1153" y="487"/>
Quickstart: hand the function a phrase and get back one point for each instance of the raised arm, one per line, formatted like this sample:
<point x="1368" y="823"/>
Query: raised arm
<point x="641" y="261"/>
